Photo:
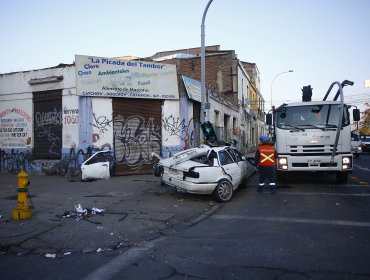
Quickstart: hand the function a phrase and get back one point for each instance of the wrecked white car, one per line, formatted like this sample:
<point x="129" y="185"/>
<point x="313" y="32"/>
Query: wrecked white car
<point x="96" y="167"/>
<point x="205" y="170"/>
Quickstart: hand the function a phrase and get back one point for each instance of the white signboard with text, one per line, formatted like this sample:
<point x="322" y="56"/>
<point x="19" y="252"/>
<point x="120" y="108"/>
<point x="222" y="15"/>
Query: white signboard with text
<point x="106" y="77"/>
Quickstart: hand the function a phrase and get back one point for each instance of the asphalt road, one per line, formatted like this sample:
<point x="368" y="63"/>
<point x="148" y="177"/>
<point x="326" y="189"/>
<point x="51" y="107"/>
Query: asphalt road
<point x="312" y="228"/>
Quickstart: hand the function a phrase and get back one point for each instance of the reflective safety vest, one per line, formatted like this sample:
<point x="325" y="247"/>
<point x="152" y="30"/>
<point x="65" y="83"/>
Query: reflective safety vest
<point x="267" y="155"/>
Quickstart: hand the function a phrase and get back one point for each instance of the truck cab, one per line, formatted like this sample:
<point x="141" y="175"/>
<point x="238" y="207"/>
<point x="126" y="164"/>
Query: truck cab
<point x="313" y="136"/>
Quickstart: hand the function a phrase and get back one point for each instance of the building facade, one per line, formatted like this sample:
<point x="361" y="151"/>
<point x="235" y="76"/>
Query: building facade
<point x="52" y="119"/>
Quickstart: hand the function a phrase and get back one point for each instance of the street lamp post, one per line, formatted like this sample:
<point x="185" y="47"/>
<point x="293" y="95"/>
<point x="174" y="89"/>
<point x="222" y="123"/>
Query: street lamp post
<point x="203" y="65"/>
<point x="274" y="80"/>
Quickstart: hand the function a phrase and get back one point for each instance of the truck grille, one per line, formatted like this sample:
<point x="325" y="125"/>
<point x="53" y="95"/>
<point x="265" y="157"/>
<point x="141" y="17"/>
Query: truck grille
<point x="310" y="149"/>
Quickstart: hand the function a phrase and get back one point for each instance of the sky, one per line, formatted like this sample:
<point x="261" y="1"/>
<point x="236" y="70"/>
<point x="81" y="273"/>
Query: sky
<point x="322" y="41"/>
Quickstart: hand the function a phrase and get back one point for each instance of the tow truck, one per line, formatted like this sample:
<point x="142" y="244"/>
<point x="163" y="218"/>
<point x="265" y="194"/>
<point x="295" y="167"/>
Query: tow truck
<point x="314" y="136"/>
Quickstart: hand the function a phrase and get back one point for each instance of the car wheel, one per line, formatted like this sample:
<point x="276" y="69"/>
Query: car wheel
<point x="223" y="191"/>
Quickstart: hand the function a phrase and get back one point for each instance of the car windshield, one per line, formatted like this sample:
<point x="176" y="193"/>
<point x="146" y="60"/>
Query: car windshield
<point x="355" y="136"/>
<point x="311" y="117"/>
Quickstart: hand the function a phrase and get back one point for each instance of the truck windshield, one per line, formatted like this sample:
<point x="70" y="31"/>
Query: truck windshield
<point x="311" y="117"/>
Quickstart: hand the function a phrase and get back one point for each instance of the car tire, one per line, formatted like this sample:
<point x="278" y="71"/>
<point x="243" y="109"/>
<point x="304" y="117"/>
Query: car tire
<point x="223" y="191"/>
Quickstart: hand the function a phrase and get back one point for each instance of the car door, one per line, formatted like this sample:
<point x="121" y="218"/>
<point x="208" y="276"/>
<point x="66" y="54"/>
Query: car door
<point x="230" y="167"/>
<point x="240" y="159"/>
<point x="95" y="167"/>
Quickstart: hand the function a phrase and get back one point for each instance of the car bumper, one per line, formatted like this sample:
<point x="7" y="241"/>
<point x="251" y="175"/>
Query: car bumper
<point x="186" y="186"/>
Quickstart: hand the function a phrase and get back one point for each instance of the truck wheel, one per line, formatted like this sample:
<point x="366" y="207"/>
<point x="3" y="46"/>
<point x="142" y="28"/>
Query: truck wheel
<point x="223" y="191"/>
<point x="342" y="177"/>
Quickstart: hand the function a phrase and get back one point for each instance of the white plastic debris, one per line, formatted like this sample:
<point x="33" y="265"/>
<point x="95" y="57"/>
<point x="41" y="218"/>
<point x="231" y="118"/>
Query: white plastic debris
<point x="51" y="255"/>
<point x="99" y="250"/>
<point x="67" y="253"/>
<point x="95" y="210"/>
<point x="79" y="209"/>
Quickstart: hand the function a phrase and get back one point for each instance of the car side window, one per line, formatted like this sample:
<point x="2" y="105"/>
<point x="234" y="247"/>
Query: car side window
<point x="233" y="154"/>
<point x="239" y="155"/>
<point x="225" y="158"/>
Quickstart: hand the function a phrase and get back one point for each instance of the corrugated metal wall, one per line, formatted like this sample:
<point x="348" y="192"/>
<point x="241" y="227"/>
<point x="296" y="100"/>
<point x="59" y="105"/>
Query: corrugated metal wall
<point x="48" y="124"/>
<point x="137" y="133"/>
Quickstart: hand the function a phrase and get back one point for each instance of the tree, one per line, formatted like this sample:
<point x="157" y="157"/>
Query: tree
<point x="365" y="121"/>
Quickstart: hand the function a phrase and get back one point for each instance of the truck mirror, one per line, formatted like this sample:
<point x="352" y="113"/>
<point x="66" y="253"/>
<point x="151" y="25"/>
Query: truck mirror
<point x="356" y="115"/>
<point x="269" y="119"/>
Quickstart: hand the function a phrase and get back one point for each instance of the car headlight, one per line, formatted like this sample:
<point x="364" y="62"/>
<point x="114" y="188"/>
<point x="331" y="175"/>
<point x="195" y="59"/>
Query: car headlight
<point x="346" y="163"/>
<point x="283" y="163"/>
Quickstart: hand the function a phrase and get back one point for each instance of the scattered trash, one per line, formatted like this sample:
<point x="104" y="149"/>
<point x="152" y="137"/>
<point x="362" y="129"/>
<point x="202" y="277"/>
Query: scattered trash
<point x="95" y="210"/>
<point x="99" y="227"/>
<point x="51" y="255"/>
<point x="99" y="250"/>
<point x="67" y="253"/>
<point x="81" y="213"/>
<point x="337" y="203"/>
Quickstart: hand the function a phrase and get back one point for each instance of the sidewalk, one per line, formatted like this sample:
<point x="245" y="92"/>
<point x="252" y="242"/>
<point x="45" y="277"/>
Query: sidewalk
<point x="136" y="209"/>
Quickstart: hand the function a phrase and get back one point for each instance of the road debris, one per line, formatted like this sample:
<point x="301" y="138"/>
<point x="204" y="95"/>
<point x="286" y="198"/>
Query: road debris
<point x="81" y="213"/>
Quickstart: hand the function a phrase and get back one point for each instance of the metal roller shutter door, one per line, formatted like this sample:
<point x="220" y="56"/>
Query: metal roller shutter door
<point x="48" y="124"/>
<point x="137" y="133"/>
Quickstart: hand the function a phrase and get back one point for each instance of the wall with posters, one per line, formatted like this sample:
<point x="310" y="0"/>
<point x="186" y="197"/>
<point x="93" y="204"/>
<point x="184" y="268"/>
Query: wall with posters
<point x="16" y="114"/>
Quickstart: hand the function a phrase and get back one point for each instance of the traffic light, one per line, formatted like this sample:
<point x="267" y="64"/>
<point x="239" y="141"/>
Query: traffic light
<point x="306" y="93"/>
<point x="209" y="132"/>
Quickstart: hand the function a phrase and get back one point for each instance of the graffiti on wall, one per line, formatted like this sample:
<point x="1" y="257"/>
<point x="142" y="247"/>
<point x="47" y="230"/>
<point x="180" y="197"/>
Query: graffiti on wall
<point x="16" y="160"/>
<point x="48" y="128"/>
<point x="184" y="131"/>
<point x="71" y="162"/>
<point x="135" y="140"/>
<point x="102" y="124"/>
<point x="15" y="128"/>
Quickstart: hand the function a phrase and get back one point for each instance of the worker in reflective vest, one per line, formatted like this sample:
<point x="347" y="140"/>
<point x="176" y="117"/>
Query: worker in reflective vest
<point x="265" y="159"/>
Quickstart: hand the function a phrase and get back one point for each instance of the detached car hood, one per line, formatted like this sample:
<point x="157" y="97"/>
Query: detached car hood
<point x="187" y="165"/>
<point x="185" y="156"/>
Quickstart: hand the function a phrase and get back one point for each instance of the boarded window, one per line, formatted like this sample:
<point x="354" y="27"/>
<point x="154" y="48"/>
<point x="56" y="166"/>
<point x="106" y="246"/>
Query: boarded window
<point x="48" y="124"/>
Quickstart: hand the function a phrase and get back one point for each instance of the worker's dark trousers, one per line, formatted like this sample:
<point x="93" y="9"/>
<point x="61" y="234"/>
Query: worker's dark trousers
<point x="266" y="173"/>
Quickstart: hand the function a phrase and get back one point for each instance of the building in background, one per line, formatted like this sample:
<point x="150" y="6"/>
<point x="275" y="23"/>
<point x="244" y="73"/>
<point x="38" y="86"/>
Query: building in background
<point x="52" y="119"/>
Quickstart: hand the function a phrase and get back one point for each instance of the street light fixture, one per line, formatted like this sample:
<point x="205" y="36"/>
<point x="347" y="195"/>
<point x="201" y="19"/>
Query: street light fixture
<point x="203" y="65"/>
<point x="274" y="80"/>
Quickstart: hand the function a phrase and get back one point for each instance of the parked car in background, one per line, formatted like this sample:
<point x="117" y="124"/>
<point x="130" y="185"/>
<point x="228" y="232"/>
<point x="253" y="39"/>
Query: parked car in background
<point x="205" y="170"/>
<point x="365" y="143"/>
<point x="356" y="143"/>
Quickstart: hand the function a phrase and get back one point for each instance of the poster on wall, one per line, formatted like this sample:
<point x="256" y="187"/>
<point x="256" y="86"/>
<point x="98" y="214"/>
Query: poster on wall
<point x="107" y="77"/>
<point x="15" y="125"/>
